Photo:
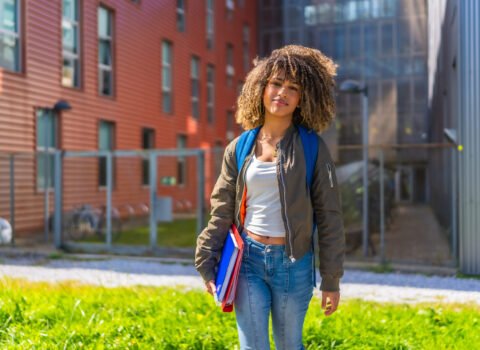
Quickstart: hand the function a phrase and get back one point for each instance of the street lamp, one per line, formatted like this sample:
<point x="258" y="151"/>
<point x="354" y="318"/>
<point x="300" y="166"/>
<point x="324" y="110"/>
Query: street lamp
<point x="59" y="106"/>
<point x="355" y="87"/>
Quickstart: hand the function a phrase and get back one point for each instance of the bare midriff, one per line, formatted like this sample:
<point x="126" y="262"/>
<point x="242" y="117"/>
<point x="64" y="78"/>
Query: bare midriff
<point x="266" y="239"/>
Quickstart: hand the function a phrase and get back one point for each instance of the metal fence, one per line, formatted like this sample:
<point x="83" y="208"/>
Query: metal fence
<point x="412" y="208"/>
<point x="156" y="202"/>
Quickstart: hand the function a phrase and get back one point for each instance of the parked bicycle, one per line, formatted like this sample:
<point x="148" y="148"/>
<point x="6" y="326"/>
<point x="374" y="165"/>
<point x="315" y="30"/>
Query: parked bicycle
<point x="86" y="221"/>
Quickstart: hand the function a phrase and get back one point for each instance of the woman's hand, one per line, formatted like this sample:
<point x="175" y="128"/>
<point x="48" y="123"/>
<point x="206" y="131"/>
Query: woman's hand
<point x="210" y="285"/>
<point x="330" y="302"/>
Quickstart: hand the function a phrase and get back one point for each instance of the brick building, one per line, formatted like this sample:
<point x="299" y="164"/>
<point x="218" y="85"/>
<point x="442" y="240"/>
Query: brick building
<point x="137" y="75"/>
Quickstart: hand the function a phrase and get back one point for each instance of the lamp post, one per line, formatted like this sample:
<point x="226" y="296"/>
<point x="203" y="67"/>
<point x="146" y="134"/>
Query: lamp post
<point x="355" y="87"/>
<point x="60" y="105"/>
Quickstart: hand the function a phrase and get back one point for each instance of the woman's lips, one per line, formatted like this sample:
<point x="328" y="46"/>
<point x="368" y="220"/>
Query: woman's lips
<point x="280" y="102"/>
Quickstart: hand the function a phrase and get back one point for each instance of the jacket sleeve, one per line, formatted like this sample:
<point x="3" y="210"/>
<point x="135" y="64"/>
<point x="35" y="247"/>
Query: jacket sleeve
<point x="328" y="214"/>
<point x="211" y="239"/>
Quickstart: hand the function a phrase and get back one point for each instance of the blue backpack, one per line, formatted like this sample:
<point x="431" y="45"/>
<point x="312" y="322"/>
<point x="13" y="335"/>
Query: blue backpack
<point x="309" y="143"/>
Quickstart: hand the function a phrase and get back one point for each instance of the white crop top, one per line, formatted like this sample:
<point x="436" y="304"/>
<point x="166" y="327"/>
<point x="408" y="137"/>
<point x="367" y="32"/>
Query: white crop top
<point x="263" y="215"/>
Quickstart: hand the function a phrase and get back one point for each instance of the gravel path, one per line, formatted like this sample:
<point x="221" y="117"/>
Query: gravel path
<point x="385" y="287"/>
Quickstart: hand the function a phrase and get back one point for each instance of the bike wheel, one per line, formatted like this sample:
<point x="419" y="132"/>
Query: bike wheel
<point x="80" y="226"/>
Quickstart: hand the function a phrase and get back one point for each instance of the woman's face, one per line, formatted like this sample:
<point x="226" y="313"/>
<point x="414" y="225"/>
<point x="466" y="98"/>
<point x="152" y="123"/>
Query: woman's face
<point x="281" y="97"/>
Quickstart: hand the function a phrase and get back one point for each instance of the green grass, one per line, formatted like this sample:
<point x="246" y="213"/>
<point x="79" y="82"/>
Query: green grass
<point x="179" y="233"/>
<point x="73" y="316"/>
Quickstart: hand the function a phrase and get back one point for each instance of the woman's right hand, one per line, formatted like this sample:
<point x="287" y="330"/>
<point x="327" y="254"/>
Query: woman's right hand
<point x="210" y="285"/>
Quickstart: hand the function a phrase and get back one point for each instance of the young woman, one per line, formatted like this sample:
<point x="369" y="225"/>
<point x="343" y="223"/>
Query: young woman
<point x="292" y="87"/>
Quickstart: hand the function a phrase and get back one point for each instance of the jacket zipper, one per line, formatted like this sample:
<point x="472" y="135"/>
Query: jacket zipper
<point x="282" y="180"/>
<point x="245" y="165"/>
<point x="329" y="169"/>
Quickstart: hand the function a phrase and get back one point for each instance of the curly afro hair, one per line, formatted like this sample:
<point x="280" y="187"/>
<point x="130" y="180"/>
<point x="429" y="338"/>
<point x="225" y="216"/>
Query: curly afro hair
<point x="308" y="67"/>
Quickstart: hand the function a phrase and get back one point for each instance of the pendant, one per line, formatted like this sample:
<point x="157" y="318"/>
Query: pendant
<point x="274" y="153"/>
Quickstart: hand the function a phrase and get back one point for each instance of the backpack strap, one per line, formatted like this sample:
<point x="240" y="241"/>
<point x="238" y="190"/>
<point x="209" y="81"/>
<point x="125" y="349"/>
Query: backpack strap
<point x="310" y="151"/>
<point x="244" y="146"/>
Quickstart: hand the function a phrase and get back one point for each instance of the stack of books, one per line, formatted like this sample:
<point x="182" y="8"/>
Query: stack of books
<point x="229" y="269"/>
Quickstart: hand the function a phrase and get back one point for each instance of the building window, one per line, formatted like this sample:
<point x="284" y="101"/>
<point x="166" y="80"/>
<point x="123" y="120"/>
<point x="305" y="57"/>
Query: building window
<point x="210" y="93"/>
<point x="230" y="125"/>
<point x="106" y="136"/>
<point x="47" y="144"/>
<point x="70" y="43"/>
<point x="148" y="142"/>
<point x="246" y="48"/>
<point x="105" y="51"/>
<point x="230" y="6"/>
<point x="195" y="76"/>
<point x="181" y="161"/>
<point x="10" y="35"/>
<point x="167" y="76"/>
<point x="210" y="24"/>
<point x="181" y="15"/>
<point x="230" y="69"/>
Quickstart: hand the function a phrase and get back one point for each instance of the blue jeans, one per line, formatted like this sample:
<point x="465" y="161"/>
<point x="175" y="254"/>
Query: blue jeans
<point x="270" y="282"/>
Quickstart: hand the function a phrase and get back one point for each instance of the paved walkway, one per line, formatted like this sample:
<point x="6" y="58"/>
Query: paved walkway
<point x="388" y="287"/>
<point x="416" y="236"/>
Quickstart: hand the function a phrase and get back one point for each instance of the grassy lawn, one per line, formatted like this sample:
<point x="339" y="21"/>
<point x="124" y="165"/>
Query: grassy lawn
<point x="72" y="316"/>
<point x="178" y="233"/>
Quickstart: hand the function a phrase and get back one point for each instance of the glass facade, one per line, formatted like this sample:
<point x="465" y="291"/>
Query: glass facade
<point x="382" y="42"/>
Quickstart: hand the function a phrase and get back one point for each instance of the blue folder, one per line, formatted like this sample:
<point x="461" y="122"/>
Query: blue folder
<point x="226" y="264"/>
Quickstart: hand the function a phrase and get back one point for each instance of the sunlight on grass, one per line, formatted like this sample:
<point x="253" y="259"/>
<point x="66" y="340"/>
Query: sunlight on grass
<point x="74" y="316"/>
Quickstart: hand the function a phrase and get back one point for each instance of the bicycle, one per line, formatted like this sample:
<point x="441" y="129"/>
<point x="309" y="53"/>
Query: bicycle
<point x="85" y="221"/>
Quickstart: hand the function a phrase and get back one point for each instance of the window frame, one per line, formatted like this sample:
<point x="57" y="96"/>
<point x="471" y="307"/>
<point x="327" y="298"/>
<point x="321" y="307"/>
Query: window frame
<point x="40" y="150"/>
<point x="210" y="19"/>
<point x="17" y="37"/>
<point x="167" y="91"/>
<point x="210" y="84"/>
<point x="195" y="81"/>
<point x="181" y="16"/>
<point x="69" y="55"/>
<point x="102" y="159"/>
<point x="110" y="39"/>
<point x="146" y="160"/>
<point x="182" y="161"/>
<point x="230" y="66"/>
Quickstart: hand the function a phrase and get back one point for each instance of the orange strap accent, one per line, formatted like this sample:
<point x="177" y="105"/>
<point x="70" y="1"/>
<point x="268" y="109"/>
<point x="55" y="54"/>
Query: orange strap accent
<point x="243" y="206"/>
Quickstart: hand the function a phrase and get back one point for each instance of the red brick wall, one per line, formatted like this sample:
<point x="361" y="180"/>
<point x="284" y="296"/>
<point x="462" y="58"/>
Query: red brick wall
<point x="138" y="34"/>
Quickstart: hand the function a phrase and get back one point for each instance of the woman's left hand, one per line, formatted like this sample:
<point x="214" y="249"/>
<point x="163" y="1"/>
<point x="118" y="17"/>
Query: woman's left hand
<point x="330" y="302"/>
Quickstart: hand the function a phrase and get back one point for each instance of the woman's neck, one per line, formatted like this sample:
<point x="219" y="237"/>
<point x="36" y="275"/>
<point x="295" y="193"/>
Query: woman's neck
<point x="275" y="127"/>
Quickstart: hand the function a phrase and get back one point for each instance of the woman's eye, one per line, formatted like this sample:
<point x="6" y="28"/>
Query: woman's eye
<point x="275" y="83"/>
<point x="293" y="88"/>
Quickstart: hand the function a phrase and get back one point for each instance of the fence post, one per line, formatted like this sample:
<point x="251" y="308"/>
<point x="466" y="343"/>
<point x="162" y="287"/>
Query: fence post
<point x="153" y="199"/>
<point x="12" y="196"/>
<point x="201" y="191"/>
<point x="109" y="199"/>
<point x="57" y="235"/>
<point x="382" y="205"/>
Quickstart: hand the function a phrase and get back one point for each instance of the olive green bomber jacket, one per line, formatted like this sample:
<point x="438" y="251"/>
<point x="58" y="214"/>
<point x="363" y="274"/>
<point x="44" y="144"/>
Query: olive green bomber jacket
<point x="299" y="206"/>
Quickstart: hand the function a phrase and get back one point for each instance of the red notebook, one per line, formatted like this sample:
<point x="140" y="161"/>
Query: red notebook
<point x="227" y="303"/>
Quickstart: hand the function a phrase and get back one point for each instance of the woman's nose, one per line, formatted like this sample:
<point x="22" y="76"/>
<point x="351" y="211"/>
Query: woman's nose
<point x="282" y="91"/>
